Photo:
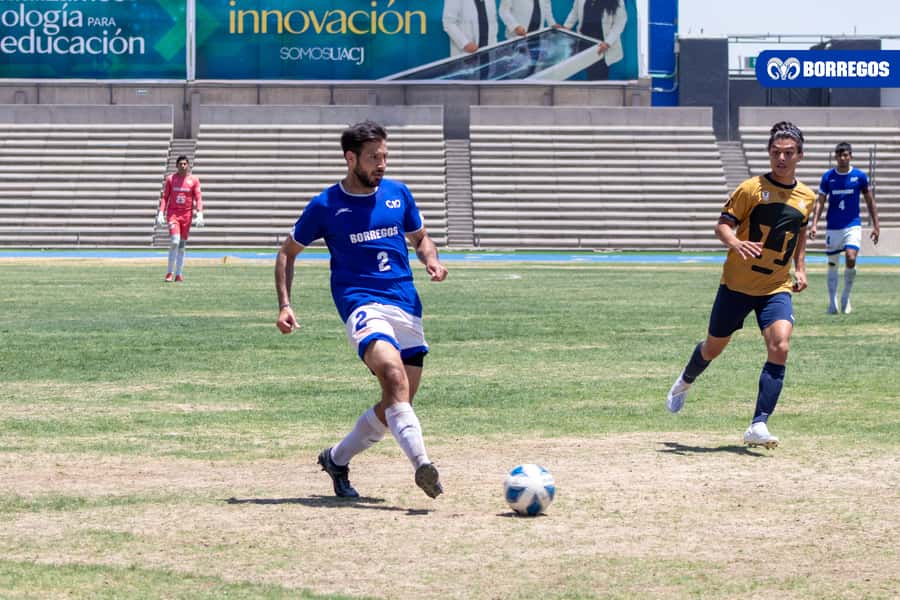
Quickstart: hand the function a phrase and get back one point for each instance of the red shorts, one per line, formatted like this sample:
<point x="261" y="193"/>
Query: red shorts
<point x="179" y="225"/>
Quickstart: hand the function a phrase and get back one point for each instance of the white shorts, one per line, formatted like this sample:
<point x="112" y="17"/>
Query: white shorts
<point x="372" y="322"/>
<point x="838" y="240"/>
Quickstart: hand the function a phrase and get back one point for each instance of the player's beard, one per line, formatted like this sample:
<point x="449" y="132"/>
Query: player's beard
<point x="367" y="181"/>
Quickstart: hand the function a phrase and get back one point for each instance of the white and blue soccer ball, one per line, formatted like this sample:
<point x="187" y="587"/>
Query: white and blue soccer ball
<point x="529" y="489"/>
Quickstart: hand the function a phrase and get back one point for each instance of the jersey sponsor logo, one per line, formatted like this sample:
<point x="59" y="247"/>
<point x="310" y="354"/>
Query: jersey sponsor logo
<point x="396" y="203"/>
<point x="341" y="211"/>
<point x="374" y="234"/>
<point x="841" y="192"/>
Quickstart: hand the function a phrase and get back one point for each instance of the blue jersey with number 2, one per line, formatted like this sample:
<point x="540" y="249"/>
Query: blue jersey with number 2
<point x="843" y="190"/>
<point x="366" y="237"/>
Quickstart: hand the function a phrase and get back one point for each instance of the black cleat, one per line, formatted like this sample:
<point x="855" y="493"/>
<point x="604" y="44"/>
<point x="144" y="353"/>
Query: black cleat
<point x="339" y="475"/>
<point x="428" y="479"/>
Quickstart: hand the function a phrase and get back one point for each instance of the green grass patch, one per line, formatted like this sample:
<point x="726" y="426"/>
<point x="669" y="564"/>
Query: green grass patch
<point x="28" y="580"/>
<point x="104" y="356"/>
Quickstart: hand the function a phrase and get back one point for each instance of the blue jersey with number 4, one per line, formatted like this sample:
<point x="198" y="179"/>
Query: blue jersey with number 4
<point x="843" y="190"/>
<point x="366" y="237"/>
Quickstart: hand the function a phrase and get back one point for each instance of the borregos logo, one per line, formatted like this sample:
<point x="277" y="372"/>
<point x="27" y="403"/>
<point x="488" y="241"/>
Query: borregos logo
<point x="788" y="70"/>
<point x="829" y="68"/>
<point x="846" y="68"/>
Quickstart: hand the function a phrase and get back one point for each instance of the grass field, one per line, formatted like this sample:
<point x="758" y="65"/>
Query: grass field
<point x="159" y="440"/>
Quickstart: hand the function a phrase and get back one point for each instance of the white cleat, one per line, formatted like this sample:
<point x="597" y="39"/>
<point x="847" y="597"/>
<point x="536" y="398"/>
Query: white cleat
<point x="758" y="435"/>
<point x="846" y="308"/>
<point x="677" y="394"/>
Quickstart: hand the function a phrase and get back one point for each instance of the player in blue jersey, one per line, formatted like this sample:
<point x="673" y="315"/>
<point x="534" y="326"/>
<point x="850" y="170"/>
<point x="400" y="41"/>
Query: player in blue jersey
<point x="366" y="221"/>
<point x="842" y="186"/>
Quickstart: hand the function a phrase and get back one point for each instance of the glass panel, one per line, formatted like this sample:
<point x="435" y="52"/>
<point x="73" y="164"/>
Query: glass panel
<point x="514" y="59"/>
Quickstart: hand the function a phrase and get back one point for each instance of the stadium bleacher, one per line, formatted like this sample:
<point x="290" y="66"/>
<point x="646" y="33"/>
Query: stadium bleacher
<point x="875" y="131"/>
<point x="81" y="175"/>
<point x="260" y="165"/>
<point x="595" y="178"/>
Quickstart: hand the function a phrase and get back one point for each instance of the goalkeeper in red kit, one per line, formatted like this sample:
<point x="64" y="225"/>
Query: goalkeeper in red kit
<point x="180" y="199"/>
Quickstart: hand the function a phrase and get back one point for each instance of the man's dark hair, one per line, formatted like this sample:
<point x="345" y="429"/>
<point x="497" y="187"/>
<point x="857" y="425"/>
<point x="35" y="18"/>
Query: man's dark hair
<point x="181" y="158"/>
<point x="785" y="130"/>
<point x="355" y="136"/>
<point x="843" y="147"/>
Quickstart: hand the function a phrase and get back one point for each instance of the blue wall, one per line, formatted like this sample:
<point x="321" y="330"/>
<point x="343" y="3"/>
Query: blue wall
<point x="662" y="33"/>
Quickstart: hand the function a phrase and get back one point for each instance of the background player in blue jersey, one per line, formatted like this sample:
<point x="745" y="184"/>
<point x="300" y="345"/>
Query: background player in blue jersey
<point x="842" y="186"/>
<point x="365" y="221"/>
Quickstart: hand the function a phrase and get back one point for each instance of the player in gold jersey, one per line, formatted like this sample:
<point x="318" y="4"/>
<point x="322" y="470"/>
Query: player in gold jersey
<point x="763" y="225"/>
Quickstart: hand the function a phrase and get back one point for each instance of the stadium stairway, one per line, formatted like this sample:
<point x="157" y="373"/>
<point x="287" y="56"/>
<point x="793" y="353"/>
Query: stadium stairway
<point x="180" y="147"/>
<point x="595" y="178"/>
<point x="257" y="178"/>
<point x="460" y="224"/>
<point x="733" y="162"/>
<point x="177" y="147"/>
<point x="65" y="183"/>
<point x="820" y="140"/>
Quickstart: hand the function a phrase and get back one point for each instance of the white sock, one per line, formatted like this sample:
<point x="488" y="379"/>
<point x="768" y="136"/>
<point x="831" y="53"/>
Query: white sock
<point x="833" y="280"/>
<point x="368" y="431"/>
<point x="407" y="430"/>
<point x="173" y="253"/>
<point x="849" y="277"/>
<point x="179" y="261"/>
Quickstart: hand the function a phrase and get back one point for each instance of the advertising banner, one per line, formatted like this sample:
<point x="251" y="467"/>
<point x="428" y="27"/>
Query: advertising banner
<point x="93" y="39"/>
<point x="829" y="68"/>
<point x="335" y="40"/>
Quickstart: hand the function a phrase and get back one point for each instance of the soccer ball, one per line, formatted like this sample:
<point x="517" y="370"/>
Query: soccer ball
<point x="529" y="489"/>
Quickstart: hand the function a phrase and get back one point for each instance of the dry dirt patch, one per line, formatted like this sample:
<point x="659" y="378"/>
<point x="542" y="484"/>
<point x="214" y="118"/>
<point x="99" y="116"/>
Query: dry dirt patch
<point x="661" y="514"/>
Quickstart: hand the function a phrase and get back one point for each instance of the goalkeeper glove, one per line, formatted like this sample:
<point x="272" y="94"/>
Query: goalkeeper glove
<point x="160" y="218"/>
<point x="199" y="221"/>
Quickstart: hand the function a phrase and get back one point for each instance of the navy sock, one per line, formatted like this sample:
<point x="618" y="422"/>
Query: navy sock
<point x="770" y="381"/>
<point x="695" y="366"/>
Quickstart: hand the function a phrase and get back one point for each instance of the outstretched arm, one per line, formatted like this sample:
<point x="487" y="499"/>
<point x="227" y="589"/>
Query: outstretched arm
<point x="817" y="212"/>
<point x="284" y="278"/>
<point x="873" y="215"/>
<point x="198" y="203"/>
<point x="800" y="262"/>
<point x="428" y="254"/>
<point x="163" y="197"/>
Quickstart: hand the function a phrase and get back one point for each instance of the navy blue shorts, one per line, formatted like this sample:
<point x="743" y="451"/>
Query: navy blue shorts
<point x="731" y="308"/>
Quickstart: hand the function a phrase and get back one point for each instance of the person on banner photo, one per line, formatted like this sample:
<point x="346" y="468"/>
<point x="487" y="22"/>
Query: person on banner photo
<point x="366" y="220"/>
<point x="521" y="17"/>
<point x="842" y="186"/>
<point x="603" y="20"/>
<point x="470" y="25"/>
<point x="180" y="198"/>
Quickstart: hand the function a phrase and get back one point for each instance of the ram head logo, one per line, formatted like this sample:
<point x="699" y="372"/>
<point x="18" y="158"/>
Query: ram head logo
<point x="787" y="70"/>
